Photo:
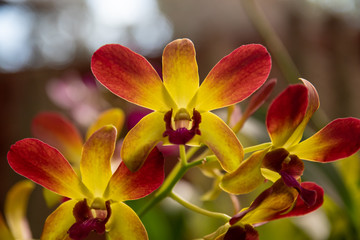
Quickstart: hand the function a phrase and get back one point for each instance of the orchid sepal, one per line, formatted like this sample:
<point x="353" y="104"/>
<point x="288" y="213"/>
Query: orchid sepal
<point x="126" y="74"/>
<point x="46" y="166"/>
<point x="339" y="139"/>
<point x="250" y="61"/>
<point x="96" y="154"/>
<point x="141" y="139"/>
<point x="126" y="185"/>
<point x="245" y="178"/>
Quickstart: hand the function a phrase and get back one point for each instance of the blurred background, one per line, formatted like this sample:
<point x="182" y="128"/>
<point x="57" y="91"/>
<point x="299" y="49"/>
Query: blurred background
<point x="45" y="52"/>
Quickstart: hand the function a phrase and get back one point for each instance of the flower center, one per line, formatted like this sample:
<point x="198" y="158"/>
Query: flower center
<point x="182" y="119"/>
<point x="89" y="219"/>
<point x="183" y="128"/>
<point x="290" y="168"/>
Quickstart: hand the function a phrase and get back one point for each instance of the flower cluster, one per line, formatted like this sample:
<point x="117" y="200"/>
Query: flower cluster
<point x="91" y="191"/>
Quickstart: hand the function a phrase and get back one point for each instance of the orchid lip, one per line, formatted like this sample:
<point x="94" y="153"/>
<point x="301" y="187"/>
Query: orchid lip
<point x="88" y="219"/>
<point x="183" y="128"/>
<point x="308" y="196"/>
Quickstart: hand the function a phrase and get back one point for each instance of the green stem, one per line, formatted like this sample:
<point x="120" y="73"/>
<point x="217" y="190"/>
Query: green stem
<point x="246" y="150"/>
<point x="200" y="161"/>
<point x="175" y="175"/>
<point x="182" y="152"/>
<point x="197" y="209"/>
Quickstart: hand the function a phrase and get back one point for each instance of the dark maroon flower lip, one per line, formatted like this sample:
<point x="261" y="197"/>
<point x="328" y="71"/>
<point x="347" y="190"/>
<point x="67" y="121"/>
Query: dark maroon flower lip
<point x="308" y="196"/>
<point x="281" y="160"/>
<point x="181" y="135"/>
<point x="290" y="167"/>
<point x="86" y="222"/>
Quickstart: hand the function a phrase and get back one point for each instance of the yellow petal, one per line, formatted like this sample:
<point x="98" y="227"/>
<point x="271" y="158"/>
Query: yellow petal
<point x="247" y="177"/>
<point x="95" y="164"/>
<point x="221" y="140"/>
<point x="141" y="139"/>
<point x="180" y="71"/>
<point x="124" y="224"/>
<point x="58" y="222"/>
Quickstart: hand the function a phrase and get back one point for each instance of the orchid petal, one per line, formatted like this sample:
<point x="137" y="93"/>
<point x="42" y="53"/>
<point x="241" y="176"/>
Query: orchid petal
<point x="4" y="230"/>
<point x="131" y="77"/>
<point x="275" y="200"/>
<point x="15" y="209"/>
<point x="59" y="222"/>
<point x="339" y="139"/>
<point x="313" y="105"/>
<point x="59" y="132"/>
<point x="285" y="113"/>
<point x="124" y="224"/>
<point x="314" y="101"/>
<point x="141" y="139"/>
<point x="270" y="175"/>
<point x="114" y="116"/>
<point x="180" y="71"/>
<point x="222" y="141"/>
<point x="234" y="78"/>
<point x="247" y="177"/>
<point x="46" y="166"/>
<point x="95" y="164"/>
<point x="301" y="208"/>
<point x="126" y="185"/>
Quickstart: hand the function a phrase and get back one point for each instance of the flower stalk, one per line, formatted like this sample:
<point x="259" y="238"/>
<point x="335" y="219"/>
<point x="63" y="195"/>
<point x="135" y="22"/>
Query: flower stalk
<point x="197" y="209"/>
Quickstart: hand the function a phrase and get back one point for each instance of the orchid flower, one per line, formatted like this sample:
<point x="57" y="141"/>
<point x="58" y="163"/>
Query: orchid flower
<point x="286" y="120"/>
<point x="181" y="108"/>
<point x="278" y="201"/>
<point x="96" y="199"/>
<point x="16" y="201"/>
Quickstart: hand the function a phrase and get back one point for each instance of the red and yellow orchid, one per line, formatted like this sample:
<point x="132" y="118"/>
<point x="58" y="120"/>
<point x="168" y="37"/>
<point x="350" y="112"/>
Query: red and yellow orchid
<point x="60" y="133"/>
<point x="181" y="108"/>
<point x="286" y="120"/>
<point x="16" y="225"/>
<point x="96" y="199"/>
<point x="278" y="201"/>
